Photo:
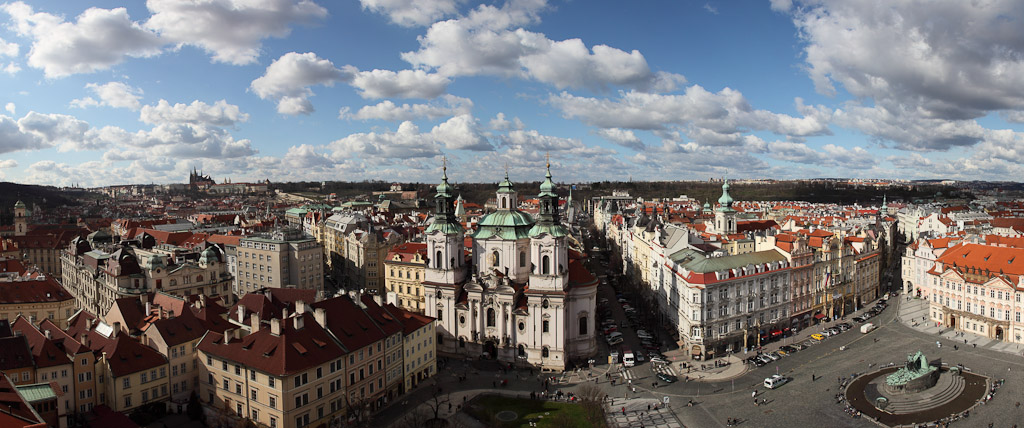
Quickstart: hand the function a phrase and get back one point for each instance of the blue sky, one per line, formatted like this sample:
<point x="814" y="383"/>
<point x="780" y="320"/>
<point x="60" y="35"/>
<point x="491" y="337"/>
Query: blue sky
<point x="96" y="94"/>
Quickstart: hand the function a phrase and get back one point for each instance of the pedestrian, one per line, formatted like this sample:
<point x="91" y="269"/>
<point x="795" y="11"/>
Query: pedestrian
<point x="753" y="394"/>
<point x="623" y="410"/>
<point x="648" y="407"/>
<point x="975" y="345"/>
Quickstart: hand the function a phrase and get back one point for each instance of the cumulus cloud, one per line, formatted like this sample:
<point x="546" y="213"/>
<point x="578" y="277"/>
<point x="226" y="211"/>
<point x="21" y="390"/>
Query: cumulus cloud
<point x="232" y="31"/>
<point x="288" y="79"/>
<point x="461" y="132"/>
<point x="8" y="48"/>
<point x="8" y="163"/>
<point x="929" y="67"/>
<point x="388" y="110"/>
<point x="304" y="157"/>
<point x="405" y="142"/>
<point x="830" y="155"/>
<point x="412" y="13"/>
<point x="10" y="107"/>
<point x="622" y="137"/>
<point x="97" y="40"/>
<point x="487" y="42"/>
<point x="13" y="138"/>
<point x="401" y="84"/>
<point x="720" y="118"/>
<point x="112" y="94"/>
<point x="499" y="123"/>
<point x="221" y="113"/>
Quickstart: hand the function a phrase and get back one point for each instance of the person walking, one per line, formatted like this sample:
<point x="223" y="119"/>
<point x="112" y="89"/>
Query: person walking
<point x="754" y="393"/>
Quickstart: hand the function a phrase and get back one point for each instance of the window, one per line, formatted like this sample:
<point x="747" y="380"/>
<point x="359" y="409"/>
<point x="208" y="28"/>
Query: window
<point x="583" y="326"/>
<point x="546" y="265"/>
<point x="544" y="352"/>
<point x="127" y="382"/>
<point x="273" y="402"/>
<point x="439" y="312"/>
<point x="495" y="257"/>
<point x="127" y="401"/>
<point x="270" y="381"/>
<point x="252" y="395"/>
<point x="490" y="317"/>
<point x="522" y="259"/>
<point x="545" y="326"/>
<point x="238" y="409"/>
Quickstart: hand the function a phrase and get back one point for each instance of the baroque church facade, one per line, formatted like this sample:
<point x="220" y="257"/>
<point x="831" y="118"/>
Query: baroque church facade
<point x="521" y="296"/>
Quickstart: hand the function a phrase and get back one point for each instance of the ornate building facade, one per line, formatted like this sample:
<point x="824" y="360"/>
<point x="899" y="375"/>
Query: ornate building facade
<point x="522" y="296"/>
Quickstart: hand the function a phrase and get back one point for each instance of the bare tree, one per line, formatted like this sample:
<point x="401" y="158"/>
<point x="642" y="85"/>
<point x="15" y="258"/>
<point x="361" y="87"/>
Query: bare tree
<point x="592" y="402"/>
<point x="437" y="402"/>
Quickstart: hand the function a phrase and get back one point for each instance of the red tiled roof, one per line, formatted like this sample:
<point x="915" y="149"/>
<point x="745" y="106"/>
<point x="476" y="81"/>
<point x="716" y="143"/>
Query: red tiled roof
<point x="125" y="355"/>
<point x="62" y="339"/>
<point x="411" y="321"/>
<point x="44" y="351"/>
<point x="180" y="329"/>
<point x="293" y="351"/>
<point x="17" y="413"/>
<point x="37" y="290"/>
<point x="387" y="322"/>
<point x="984" y="260"/>
<point x="350" y="324"/>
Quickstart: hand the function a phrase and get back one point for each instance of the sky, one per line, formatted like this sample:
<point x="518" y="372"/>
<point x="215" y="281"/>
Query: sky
<point x="96" y="93"/>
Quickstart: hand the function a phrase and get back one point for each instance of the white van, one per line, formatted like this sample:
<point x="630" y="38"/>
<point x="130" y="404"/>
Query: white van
<point x="866" y="328"/>
<point x="614" y="335"/>
<point x="628" y="359"/>
<point x="775" y="381"/>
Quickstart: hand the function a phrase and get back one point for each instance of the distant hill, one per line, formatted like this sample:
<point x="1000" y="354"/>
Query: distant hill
<point x="43" y="196"/>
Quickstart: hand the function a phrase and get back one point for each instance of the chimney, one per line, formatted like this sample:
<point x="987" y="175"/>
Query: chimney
<point x="149" y="308"/>
<point x="163" y="314"/>
<point x="300" y="307"/>
<point x="241" y="313"/>
<point x="284" y="313"/>
<point x="275" y="327"/>
<point x="47" y="333"/>
<point x="85" y="340"/>
<point x="320" y="314"/>
<point x="228" y="334"/>
<point x="298" y="322"/>
<point x="254" y="323"/>
<point x="117" y="328"/>
<point x="202" y="301"/>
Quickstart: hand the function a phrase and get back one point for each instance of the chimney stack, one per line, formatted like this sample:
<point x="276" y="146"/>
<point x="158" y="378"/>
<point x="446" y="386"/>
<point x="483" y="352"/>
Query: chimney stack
<point x="320" y="314"/>
<point x="163" y="313"/>
<point x="47" y="333"/>
<point x="284" y="313"/>
<point x="241" y="313"/>
<point x="298" y="319"/>
<point x="85" y="340"/>
<point x="149" y="308"/>
<point x="275" y="327"/>
<point x="117" y="328"/>
<point x="228" y="334"/>
<point x="300" y="307"/>
<point x="254" y="323"/>
<point x="202" y="301"/>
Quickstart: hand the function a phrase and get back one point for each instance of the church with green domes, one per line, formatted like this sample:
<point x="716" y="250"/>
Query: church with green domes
<point x="519" y="295"/>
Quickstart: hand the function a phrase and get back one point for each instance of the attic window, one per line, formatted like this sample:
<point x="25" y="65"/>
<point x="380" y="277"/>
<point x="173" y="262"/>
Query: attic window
<point x="319" y="343"/>
<point x="270" y="351"/>
<point x="299" y="347"/>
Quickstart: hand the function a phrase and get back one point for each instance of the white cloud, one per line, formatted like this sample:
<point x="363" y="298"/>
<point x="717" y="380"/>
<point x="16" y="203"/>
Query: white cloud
<point x="711" y="9"/>
<point x="720" y="118"/>
<point x="289" y="77"/>
<point x="486" y="42"/>
<point x="67" y="133"/>
<point x="112" y="94"/>
<point x="9" y="107"/>
<point x="304" y="157"/>
<point x="499" y="123"/>
<point x="231" y="30"/>
<point x="622" y="137"/>
<point x="221" y="113"/>
<point x="387" y="110"/>
<point x="461" y="133"/>
<point x="13" y="139"/>
<point x="781" y="5"/>
<point x="406" y="142"/>
<point x="11" y="68"/>
<point x="401" y="84"/>
<point x="930" y="67"/>
<point x="412" y="13"/>
<point x="98" y="40"/>
<point x="8" y="163"/>
<point x="8" y="48"/>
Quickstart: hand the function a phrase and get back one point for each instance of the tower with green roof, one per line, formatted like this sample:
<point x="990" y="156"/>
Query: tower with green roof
<point x="725" y="215"/>
<point x="20" y="219"/>
<point x="547" y="242"/>
<point x="446" y="264"/>
<point x="501" y="241"/>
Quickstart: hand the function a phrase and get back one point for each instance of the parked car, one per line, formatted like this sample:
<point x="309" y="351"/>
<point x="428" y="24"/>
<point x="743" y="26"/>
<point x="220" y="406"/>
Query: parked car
<point x="818" y="336"/>
<point x="667" y="378"/>
<point x="787" y="349"/>
<point x="657" y="359"/>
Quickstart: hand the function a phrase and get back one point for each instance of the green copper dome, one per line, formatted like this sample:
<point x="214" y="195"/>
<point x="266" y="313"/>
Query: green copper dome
<point x="506" y="185"/>
<point x="444" y="189"/>
<point x="506" y="224"/>
<point x="547" y="188"/>
<point x="725" y="201"/>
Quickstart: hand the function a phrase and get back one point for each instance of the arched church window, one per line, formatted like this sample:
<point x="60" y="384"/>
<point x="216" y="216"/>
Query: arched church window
<point x="546" y="265"/>
<point x="495" y="258"/>
<point x="544" y="304"/>
<point x="522" y="351"/>
<point x="504" y="203"/>
<point x="462" y="342"/>
<point x="490" y="317"/>
<point x="522" y="259"/>
<point x="583" y="326"/>
<point x="544" y="352"/>
<point x="437" y="260"/>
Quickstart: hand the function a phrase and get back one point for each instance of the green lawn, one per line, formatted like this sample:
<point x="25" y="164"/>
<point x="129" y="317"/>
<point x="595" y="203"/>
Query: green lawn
<point x="558" y="414"/>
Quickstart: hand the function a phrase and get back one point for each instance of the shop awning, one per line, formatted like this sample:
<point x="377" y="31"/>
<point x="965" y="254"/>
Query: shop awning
<point x="819" y="316"/>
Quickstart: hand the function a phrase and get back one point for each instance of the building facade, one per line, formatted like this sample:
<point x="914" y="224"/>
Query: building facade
<point x="522" y="296"/>
<point x="285" y="258"/>
<point x="404" y="267"/>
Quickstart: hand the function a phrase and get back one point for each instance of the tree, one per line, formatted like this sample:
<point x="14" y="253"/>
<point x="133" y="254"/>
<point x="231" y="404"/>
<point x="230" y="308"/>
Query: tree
<point x="592" y="401"/>
<point x="194" y="410"/>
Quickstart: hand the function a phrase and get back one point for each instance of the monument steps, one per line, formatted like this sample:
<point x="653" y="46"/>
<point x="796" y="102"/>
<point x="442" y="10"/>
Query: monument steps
<point x="949" y="392"/>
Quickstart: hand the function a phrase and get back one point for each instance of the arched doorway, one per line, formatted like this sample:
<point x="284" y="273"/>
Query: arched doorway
<point x="952" y="321"/>
<point x="999" y="333"/>
<point x="491" y="349"/>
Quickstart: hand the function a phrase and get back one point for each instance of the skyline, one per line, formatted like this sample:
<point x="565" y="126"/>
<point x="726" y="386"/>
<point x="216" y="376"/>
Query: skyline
<point x="100" y="94"/>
